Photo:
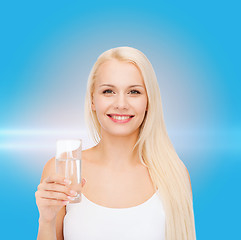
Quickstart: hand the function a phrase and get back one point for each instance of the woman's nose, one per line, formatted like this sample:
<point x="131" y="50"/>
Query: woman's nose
<point x="121" y="101"/>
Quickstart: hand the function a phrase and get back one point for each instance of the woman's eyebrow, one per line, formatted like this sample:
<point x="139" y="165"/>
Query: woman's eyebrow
<point x="110" y="85"/>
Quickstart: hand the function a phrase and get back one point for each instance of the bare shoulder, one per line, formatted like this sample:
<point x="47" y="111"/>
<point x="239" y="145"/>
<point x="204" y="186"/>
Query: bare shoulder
<point x="88" y="153"/>
<point x="49" y="168"/>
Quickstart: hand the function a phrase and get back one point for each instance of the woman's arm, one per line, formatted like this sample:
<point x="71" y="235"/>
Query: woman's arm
<point x="52" y="230"/>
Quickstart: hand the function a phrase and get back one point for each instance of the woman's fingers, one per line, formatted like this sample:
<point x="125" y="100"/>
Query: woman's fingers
<point x="55" y="195"/>
<point x="83" y="182"/>
<point x="52" y="202"/>
<point x="57" y="179"/>
<point x="56" y="188"/>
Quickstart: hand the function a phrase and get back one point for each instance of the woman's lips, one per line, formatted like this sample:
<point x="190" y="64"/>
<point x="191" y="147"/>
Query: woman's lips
<point x="120" y="118"/>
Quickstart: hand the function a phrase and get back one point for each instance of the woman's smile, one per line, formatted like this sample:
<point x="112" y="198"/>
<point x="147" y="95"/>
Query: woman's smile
<point x="118" y="118"/>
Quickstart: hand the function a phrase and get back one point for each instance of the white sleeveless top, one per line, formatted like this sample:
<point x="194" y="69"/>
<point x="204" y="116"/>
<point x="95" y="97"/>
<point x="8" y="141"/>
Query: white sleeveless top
<point x="89" y="221"/>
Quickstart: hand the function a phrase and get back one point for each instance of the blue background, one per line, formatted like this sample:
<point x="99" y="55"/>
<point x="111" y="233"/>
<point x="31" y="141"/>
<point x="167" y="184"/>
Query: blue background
<point x="47" y="51"/>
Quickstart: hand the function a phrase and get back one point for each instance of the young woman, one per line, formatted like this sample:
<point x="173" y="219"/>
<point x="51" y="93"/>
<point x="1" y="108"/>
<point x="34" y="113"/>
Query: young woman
<point x="137" y="188"/>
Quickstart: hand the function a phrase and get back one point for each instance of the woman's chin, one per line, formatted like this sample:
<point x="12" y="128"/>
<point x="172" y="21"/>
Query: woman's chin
<point x="121" y="133"/>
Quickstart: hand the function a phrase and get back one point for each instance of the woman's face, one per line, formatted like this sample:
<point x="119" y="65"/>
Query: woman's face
<point x="119" y="98"/>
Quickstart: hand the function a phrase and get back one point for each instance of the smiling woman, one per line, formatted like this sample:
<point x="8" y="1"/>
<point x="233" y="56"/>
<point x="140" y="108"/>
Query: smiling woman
<point x="137" y="188"/>
<point x="122" y="68"/>
<point x="121" y="102"/>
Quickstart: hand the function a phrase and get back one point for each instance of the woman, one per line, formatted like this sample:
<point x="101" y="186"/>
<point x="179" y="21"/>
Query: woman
<point x="137" y="188"/>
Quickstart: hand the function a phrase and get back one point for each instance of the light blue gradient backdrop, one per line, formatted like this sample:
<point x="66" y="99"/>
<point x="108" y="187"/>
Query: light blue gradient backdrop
<point x="47" y="50"/>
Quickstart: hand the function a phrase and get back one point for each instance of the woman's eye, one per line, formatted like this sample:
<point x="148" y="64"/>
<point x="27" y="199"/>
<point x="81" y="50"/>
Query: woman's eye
<point x="107" y="91"/>
<point x="135" y="91"/>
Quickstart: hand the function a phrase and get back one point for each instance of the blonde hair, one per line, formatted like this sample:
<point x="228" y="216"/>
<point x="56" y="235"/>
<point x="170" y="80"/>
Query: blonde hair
<point x="168" y="173"/>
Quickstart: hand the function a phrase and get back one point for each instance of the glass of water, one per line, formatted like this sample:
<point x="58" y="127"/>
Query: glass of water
<point x="68" y="163"/>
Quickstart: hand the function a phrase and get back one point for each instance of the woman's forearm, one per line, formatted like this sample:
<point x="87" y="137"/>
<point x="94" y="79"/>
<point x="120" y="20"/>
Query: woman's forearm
<point x="47" y="230"/>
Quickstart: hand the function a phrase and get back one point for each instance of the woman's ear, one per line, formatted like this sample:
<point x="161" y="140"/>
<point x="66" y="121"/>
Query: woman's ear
<point x="92" y="105"/>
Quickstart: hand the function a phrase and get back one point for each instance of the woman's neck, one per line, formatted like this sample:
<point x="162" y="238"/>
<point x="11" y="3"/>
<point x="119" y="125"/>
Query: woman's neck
<point x="117" y="153"/>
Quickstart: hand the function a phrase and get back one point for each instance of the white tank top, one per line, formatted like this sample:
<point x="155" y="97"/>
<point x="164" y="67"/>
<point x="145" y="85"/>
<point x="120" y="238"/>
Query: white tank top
<point x="89" y="221"/>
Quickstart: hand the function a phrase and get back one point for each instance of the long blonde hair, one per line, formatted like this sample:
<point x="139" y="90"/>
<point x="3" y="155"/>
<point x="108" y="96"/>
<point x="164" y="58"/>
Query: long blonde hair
<point x="156" y="152"/>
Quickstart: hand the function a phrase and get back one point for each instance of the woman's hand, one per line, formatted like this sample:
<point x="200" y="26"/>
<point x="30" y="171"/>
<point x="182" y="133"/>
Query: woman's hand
<point x="53" y="193"/>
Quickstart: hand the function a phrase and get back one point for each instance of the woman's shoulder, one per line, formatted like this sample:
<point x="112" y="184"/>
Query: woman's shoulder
<point x="88" y="154"/>
<point x="50" y="163"/>
<point x="49" y="168"/>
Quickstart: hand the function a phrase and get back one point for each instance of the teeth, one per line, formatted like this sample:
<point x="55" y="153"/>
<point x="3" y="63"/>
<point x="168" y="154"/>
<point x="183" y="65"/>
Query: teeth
<point x="120" y="117"/>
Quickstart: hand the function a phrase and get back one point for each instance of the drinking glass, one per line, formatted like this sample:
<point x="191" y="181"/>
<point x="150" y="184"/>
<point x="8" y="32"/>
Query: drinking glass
<point x="68" y="163"/>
